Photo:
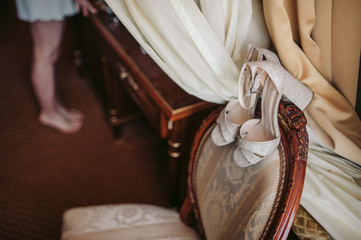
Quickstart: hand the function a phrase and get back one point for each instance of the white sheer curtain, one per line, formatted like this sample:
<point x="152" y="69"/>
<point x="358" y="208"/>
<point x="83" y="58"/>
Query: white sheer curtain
<point x="201" y="44"/>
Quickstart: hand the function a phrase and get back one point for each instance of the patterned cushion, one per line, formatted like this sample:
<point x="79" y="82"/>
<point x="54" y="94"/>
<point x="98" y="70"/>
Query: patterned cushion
<point x="306" y="227"/>
<point x="124" y="221"/>
<point x="235" y="202"/>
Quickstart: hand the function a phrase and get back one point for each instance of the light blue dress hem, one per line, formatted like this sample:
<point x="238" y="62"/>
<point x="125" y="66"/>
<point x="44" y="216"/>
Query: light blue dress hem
<point x="45" y="10"/>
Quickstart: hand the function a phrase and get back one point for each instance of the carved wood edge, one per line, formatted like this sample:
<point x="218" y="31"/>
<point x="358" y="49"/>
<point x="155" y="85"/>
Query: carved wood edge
<point x="294" y="139"/>
<point x="294" y="135"/>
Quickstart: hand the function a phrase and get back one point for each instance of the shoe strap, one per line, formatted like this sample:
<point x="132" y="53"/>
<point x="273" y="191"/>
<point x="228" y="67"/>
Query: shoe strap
<point x="249" y="82"/>
<point x="257" y="151"/>
<point x="228" y="129"/>
<point x="249" y="90"/>
<point x="262" y="54"/>
<point x="285" y="83"/>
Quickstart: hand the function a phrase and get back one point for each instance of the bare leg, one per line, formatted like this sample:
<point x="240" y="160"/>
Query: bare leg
<point x="47" y="38"/>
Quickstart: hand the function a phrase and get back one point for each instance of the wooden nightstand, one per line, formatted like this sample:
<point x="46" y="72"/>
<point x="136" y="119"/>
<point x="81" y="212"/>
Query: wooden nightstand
<point x="123" y="70"/>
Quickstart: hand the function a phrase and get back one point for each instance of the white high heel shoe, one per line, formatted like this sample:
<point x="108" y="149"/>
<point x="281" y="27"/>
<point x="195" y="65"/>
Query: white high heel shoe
<point x="258" y="138"/>
<point x="240" y="110"/>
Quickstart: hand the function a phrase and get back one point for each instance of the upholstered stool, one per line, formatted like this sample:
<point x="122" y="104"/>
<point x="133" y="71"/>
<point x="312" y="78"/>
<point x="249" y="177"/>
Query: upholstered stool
<point x="124" y="221"/>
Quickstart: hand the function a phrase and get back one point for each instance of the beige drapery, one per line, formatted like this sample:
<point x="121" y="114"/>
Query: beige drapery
<point x="319" y="43"/>
<point x="201" y="44"/>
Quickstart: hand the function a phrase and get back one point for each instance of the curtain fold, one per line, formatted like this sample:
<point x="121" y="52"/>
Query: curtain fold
<point x="306" y="35"/>
<point x="319" y="43"/>
<point x="332" y="191"/>
<point x="201" y="55"/>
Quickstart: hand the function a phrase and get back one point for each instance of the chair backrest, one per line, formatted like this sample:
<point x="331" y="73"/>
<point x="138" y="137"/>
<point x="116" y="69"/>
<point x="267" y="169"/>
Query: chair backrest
<point x="256" y="202"/>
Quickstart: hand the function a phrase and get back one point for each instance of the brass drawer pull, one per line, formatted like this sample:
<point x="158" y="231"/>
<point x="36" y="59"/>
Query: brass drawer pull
<point x="124" y="75"/>
<point x="132" y="83"/>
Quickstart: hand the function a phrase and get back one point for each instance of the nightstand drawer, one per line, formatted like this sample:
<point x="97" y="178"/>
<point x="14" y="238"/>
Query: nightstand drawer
<point x="140" y="96"/>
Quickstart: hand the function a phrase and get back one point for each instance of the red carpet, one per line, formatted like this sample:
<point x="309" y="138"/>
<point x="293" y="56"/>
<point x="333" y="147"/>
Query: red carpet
<point x="43" y="172"/>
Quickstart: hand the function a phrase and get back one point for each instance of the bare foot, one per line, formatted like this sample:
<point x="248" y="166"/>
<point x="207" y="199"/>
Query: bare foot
<point x="70" y="113"/>
<point x="60" y="122"/>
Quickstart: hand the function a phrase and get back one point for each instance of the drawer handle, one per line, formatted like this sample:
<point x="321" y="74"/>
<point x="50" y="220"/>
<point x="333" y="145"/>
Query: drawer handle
<point x="124" y="75"/>
<point x="132" y="83"/>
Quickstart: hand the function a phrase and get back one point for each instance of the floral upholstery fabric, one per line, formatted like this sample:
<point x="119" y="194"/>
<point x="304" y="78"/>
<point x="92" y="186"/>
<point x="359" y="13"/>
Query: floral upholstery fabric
<point x="125" y="221"/>
<point x="235" y="202"/>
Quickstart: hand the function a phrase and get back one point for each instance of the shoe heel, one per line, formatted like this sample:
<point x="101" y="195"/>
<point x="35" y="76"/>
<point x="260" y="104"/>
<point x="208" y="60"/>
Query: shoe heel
<point x="286" y="83"/>
<point x="297" y="93"/>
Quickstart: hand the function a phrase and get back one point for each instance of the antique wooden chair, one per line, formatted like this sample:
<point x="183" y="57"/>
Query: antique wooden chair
<point x="224" y="201"/>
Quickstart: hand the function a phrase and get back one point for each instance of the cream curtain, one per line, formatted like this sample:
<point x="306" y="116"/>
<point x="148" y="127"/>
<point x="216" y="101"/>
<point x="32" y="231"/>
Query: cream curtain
<point x="202" y="44"/>
<point x="332" y="191"/>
